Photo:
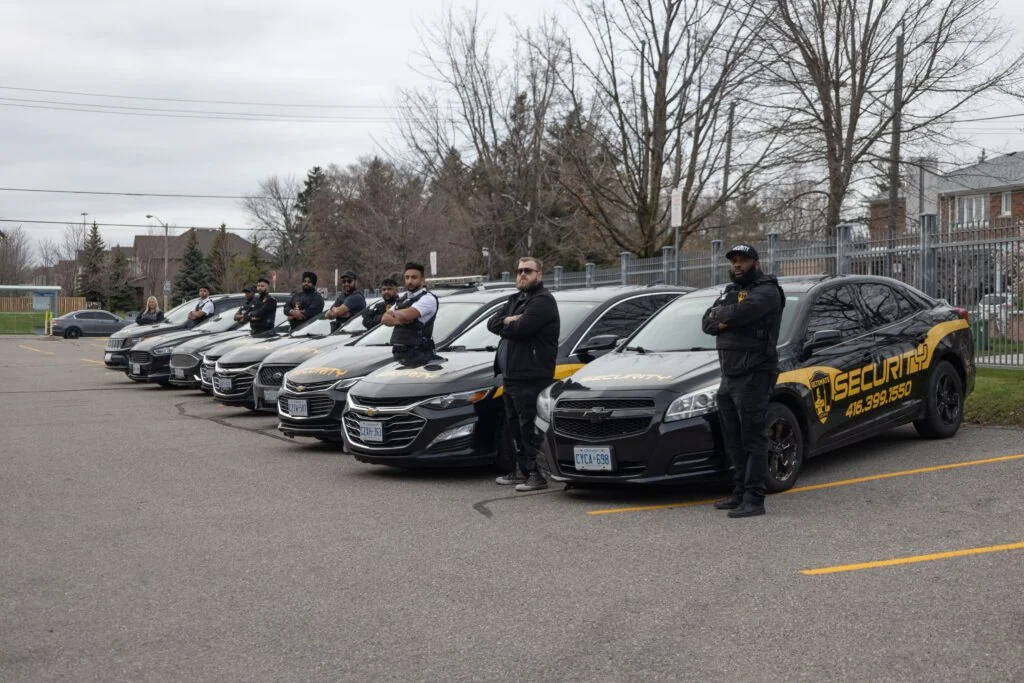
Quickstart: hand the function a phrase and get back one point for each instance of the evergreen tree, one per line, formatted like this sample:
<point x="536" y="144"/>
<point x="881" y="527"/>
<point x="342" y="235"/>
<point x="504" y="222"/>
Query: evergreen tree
<point x="120" y="296"/>
<point x="245" y="270"/>
<point x="315" y="181"/>
<point x="219" y="260"/>
<point x="193" y="272"/>
<point x="92" y="278"/>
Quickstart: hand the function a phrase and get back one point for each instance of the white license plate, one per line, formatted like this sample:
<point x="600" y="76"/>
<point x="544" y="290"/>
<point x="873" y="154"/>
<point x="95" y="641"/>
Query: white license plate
<point x="270" y="395"/>
<point x="371" y="431"/>
<point x="179" y="373"/>
<point x="224" y="383"/>
<point x="597" y="458"/>
<point x="136" y="369"/>
<point x="107" y="357"/>
<point x="298" y="408"/>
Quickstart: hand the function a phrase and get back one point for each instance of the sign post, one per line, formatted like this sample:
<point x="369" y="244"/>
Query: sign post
<point x="676" y="223"/>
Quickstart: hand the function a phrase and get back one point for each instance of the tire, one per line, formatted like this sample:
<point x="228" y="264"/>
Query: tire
<point x="72" y="333"/>
<point x="786" y="448"/>
<point x="944" y="404"/>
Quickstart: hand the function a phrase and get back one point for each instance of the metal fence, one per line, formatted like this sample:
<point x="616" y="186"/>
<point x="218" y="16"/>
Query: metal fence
<point x="978" y="267"/>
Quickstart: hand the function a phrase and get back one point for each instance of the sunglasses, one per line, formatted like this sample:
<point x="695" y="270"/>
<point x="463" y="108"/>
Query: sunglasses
<point x="526" y="271"/>
<point x="347" y="279"/>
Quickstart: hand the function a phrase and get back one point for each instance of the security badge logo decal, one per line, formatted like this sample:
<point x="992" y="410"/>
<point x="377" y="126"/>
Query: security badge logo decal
<point x="741" y="295"/>
<point x="821" y="390"/>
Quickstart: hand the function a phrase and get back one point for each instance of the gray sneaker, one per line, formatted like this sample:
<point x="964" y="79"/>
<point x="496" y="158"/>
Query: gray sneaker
<point x="534" y="482"/>
<point x="510" y="479"/>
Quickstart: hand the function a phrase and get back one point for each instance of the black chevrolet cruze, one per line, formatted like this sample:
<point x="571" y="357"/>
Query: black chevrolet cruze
<point x="857" y="355"/>
<point x="448" y="413"/>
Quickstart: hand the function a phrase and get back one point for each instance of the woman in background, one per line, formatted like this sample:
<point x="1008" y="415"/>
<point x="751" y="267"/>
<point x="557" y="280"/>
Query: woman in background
<point x="152" y="314"/>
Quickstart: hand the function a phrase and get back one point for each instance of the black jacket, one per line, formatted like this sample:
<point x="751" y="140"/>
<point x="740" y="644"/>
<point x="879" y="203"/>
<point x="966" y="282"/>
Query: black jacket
<point x="529" y="346"/>
<point x="310" y="303"/>
<point x="262" y="314"/>
<point x="752" y="315"/>
<point x="150" y="318"/>
<point x="374" y="314"/>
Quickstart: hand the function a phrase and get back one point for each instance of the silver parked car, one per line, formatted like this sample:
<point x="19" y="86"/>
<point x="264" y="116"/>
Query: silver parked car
<point x="87" y="322"/>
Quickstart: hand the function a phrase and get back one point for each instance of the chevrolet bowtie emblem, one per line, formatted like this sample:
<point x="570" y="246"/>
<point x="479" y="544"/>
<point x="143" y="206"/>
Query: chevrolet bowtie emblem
<point x="371" y="411"/>
<point x="300" y="387"/>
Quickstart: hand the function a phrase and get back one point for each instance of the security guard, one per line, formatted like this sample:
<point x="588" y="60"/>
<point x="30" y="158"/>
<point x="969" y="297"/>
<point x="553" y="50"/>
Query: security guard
<point x="305" y="304"/>
<point x="412" y="317"/>
<point x="348" y="304"/>
<point x="203" y="310"/>
<point x="242" y="315"/>
<point x="261" y="318"/>
<point x="746" y="320"/>
<point x="388" y="297"/>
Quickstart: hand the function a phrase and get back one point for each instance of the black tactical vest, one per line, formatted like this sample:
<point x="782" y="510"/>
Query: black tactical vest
<point x="414" y="336"/>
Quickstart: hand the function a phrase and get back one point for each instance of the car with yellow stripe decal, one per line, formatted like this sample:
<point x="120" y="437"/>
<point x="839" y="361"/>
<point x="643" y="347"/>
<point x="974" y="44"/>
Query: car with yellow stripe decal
<point x="448" y="413"/>
<point x="857" y="355"/>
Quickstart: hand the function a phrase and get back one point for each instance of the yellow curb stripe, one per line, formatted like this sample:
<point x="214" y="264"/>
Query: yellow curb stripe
<point x="828" y="485"/>
<point x="29" y="348"/>
<point x="94" y="362"/>
<point x="912" y="559"/>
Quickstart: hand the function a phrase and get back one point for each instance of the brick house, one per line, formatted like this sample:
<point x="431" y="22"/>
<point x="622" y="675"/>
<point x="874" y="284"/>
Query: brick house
<point x="988" y="193"/>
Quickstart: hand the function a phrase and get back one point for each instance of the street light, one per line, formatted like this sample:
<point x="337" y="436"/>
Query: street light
<point x="166" y="280"/>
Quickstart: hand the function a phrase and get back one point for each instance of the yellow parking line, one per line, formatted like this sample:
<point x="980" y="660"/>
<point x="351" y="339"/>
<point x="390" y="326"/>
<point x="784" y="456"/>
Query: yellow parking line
<point x="828" y="485"/>
<point x="912" y="559"/>
<point x="94" y="362"/>
<point x="29" y="348"/>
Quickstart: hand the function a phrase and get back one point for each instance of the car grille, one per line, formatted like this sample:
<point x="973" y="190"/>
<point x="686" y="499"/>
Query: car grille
<point x="234" y="366"/>
<point x="399" y="430"/>
<point x="206" y="373"/>
<point x="241" y="386"/>
<point x="607" y="428"/>
<point x="316" y="406"/>
<point x="606" y="403"/>
<point x="309" y="386"/>
<point x="141" y="357"/>
<point x="387" y="402"/>
<point x="268" y="372"/>
<point x="114" y="344"/>
<point x="183" y="360"/>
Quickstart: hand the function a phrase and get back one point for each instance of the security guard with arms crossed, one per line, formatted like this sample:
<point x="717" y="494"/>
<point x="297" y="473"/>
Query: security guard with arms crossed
<point x="745" y="320"/>
<point x="412" y="317"/>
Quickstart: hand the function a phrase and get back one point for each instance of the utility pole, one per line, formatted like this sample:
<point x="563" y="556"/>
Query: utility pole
<point x="166" y="240"/>
<point x="894" y="154"/>
<point x="725" y="171"/>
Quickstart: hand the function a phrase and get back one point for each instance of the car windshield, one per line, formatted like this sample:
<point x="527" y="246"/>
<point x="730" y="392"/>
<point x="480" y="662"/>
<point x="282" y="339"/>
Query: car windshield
<point x="317" y="328"/>
<point x="179" y="314"/>
<point x="478" y="338"/>
<point x="677" y="327"/>
<point x="450" y="314"/>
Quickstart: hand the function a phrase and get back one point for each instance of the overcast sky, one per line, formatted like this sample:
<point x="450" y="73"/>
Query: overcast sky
<point x="351" y="56"/>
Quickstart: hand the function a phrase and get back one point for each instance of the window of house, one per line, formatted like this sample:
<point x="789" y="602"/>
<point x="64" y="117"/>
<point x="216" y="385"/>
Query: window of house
<point x="972" y="208"/>
<point x="1007" y="203"/>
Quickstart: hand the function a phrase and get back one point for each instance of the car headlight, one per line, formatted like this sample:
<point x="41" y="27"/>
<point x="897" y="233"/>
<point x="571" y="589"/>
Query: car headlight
<point x="464" y="398"/>
<point x="132" y="341"/>
<point x="700" y="402"/>
<point x="163" y="350"/>
<point x="544" y="404"/>
<point x="345" y="384"/>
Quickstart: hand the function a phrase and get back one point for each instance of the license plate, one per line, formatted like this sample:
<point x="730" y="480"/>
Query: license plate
<point x="224" y="383"/>
<point x="371" y="431"/>
<point x="179" y="373"/>
<point x="136" y="369"/>
<point x="107" y="357"/>
<point x="297" y="408"/>
<point x="270" y="395"/>
<point x="597" y="458"/>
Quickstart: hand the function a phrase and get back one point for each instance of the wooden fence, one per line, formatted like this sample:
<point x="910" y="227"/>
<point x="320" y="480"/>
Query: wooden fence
<point x="23" y="304"/>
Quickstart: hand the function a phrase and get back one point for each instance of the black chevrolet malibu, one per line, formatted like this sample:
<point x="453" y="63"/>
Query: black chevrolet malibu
<point x="857" y="355"/>
<point x="448" y="413"/>
<point x="120" y="344"/>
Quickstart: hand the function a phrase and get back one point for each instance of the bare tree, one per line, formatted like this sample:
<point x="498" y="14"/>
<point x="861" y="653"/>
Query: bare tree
<point x="15" y="257"/>
<point x="831" y="69"/>
<point x="48" y="254"/>
<point x="273" y="214"/>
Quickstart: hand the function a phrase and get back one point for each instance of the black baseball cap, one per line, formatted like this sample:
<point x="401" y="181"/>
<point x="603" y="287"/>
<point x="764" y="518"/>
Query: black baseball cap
<point x="248" y="288"/>
<point x="349" y="275"/>
<point x="744" y="249"/>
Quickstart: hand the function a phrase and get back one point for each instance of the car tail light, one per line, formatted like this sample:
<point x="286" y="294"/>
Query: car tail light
<point x="962" y="312"/>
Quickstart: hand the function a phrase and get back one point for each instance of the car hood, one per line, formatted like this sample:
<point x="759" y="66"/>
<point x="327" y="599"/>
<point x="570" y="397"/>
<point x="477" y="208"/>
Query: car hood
<point x="173" y="337"/>
<point x="294" y="355"/>
<point x="350" y="361"/>
<point x="677" y="371"/>
<point x="145" y="331"/>
<point x="256" y="352"/>
<point x="457" y="371"/>
<point x="209" y="340"/>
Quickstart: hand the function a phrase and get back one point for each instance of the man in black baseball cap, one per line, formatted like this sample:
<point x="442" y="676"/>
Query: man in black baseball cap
<point x="745" y="321"/>
<point x="243" y="313"/>
<point x="348" y="303"/>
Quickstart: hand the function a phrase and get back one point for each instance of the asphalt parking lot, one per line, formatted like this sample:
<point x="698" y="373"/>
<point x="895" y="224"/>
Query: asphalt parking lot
<point x="150" y="534"/>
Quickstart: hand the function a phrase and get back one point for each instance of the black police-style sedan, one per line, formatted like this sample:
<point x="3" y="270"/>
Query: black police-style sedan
<point x="448" y="413"/>
<point x="120" y="344"/>
<point x="858" y="355"/>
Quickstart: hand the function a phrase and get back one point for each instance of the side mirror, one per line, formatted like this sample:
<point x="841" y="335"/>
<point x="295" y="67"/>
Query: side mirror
<point x="822" y="339"/>
<point x="601" y="342"/>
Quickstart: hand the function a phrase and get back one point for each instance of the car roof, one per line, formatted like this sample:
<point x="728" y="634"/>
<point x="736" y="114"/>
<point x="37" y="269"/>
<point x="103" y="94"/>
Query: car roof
<point x="601" y="294"/>
<point x="479" y="297"/>
<point x="805" y="283"/>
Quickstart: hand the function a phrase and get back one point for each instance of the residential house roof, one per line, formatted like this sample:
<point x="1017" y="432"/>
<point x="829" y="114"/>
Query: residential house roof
<point x="999" y="173"/>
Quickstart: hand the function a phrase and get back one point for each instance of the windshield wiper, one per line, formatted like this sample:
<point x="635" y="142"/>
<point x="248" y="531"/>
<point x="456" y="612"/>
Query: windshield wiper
<point x="699" y="348"/>
<point x="485" y="348"/>
<point x="638" y="349"/>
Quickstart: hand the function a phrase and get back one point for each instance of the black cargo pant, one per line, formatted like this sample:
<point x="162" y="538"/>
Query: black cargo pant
<point x="742" y="410"/>
<point x="520" y="400"/>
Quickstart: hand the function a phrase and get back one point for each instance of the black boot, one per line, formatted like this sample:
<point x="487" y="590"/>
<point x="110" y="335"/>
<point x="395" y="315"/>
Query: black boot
<point x="731" y="503"/>
<point x="748" y="509"/>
